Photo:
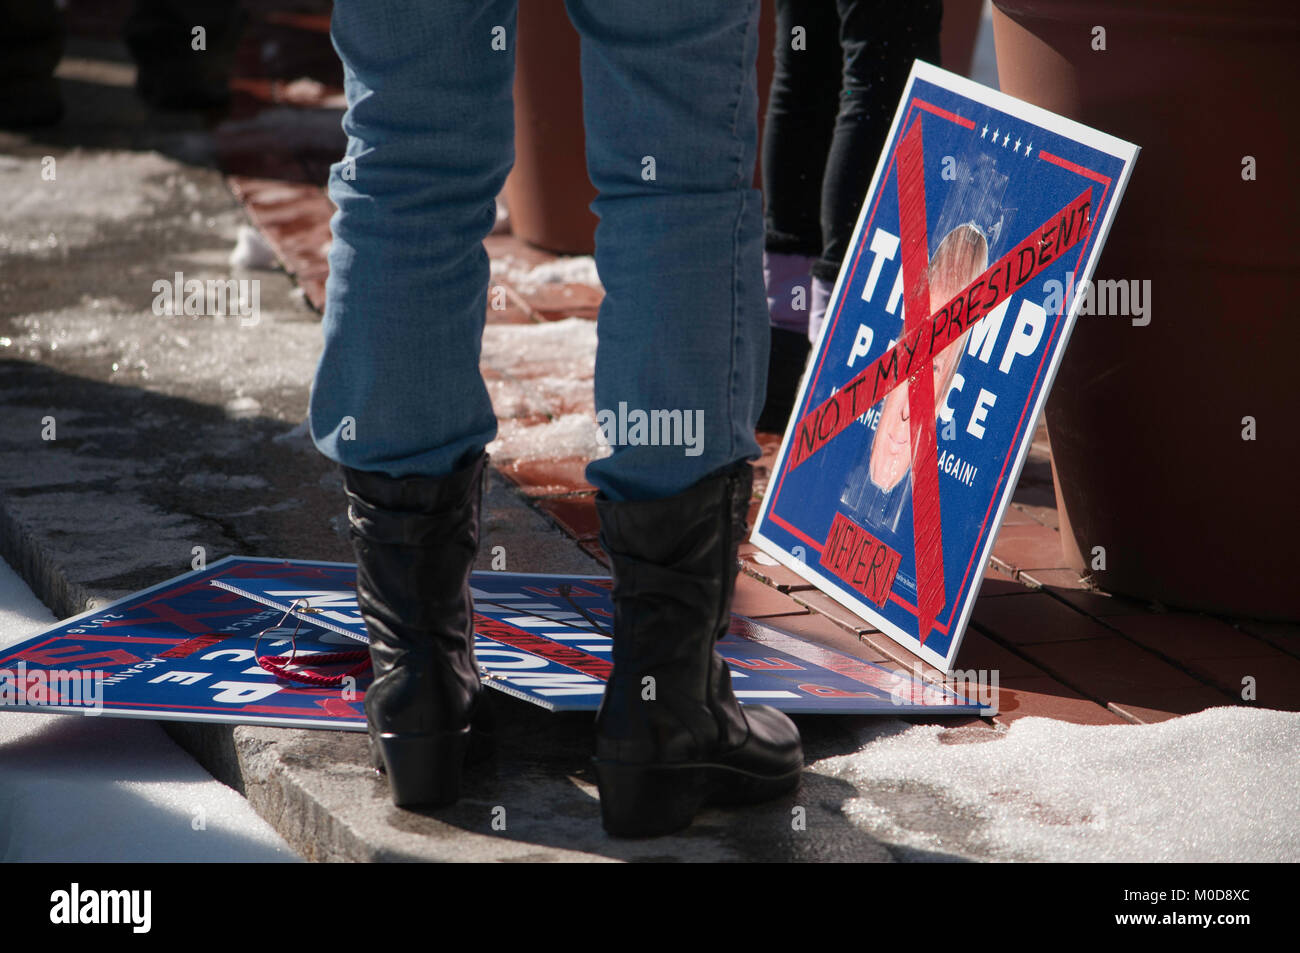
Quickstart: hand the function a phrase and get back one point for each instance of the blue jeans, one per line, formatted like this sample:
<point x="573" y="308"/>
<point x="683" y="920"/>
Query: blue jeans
<point x="430" y="125"/>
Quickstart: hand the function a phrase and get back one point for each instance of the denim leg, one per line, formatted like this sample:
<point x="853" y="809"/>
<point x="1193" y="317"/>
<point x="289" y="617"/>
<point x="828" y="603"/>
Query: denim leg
<point x="671" y="112"/>
<point x="430" y="129"/>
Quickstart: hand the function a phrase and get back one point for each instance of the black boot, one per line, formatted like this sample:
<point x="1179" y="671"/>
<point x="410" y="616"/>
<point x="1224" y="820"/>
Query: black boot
<point x="415" y="540"/>
<point x="670" y="735"/>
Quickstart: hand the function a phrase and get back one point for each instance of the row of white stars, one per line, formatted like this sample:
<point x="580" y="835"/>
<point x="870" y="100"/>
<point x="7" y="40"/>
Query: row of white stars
<point x="1005" y="139"/>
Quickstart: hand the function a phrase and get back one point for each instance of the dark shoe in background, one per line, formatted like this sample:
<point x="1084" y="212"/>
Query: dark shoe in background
<point x="415" y="540"/>
<point x="172" y="74"/>
<point x="31" y="43"/>
<point x="670" y="735"/>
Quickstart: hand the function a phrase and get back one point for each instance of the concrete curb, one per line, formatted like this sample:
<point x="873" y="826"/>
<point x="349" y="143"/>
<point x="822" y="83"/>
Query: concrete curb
<point x="18" y="548"/>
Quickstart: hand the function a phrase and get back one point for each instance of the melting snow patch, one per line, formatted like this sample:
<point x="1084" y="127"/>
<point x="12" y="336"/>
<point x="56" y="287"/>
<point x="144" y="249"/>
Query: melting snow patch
<point x="252" y="250"/>
<point x="578" y="270"/>
<point x="572" y="435"/>
<point x="1216" y="786"/>
<point x="571" y="342"/>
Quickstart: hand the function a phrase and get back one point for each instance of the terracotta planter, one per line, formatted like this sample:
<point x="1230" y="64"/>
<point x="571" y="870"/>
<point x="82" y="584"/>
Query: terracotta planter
<point x="957" y="36"/>
<point x="548" y="191"/>
<point x="1146" y="423"/>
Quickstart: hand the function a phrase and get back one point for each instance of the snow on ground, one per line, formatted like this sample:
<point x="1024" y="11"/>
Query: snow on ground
<point x="1215" y="786"/>
<point x="577" y="269"/>
<point x="543" y="371"/>
<point x="570" y="435"/>
<point x="77" y="788"/>
<point x="568" y="346"/>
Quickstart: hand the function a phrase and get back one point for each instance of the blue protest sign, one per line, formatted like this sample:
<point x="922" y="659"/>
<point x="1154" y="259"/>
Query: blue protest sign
<point x="183" y="650"/>
<point x="186" y="650"/>
<point x="547" y="639"/>
<point x="973" y="250"/>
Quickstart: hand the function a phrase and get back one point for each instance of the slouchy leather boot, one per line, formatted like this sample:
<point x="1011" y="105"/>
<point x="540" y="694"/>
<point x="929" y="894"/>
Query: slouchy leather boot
<point x="671" y="736"/>
<point x="415" y="540"/>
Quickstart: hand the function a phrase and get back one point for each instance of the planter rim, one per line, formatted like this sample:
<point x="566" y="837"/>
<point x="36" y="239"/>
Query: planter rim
<point x="1266" y="18"/>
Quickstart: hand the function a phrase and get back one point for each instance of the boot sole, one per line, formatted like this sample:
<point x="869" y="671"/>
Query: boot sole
<point x="482" y="747"/>
<point x="652" y="800"/>
<point x="424" y="770"/>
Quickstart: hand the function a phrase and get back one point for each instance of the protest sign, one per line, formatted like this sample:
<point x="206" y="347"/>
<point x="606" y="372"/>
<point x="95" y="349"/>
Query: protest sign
<point x="973" y="249"/>
<point x="187" y="649"/>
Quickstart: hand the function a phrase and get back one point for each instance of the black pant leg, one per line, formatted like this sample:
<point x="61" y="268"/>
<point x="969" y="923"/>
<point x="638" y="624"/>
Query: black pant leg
<point x="801" y="110"/>
<point x="880" y="39"/>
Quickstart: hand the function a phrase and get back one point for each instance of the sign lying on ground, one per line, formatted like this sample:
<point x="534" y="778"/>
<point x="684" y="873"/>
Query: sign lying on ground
<point x="186" y="650"/>
<point x="182" y="650"/>
<point x="972" y="253"/>
<point x="546" y="639"/>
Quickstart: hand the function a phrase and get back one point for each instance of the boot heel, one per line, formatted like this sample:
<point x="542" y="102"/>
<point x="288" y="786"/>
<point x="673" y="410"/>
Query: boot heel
<point x="649" y="800"/>
<point x="424" y="770"/>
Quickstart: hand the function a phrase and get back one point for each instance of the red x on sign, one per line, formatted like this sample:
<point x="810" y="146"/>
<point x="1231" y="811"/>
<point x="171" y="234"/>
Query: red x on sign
<point x="922" y="339"/>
